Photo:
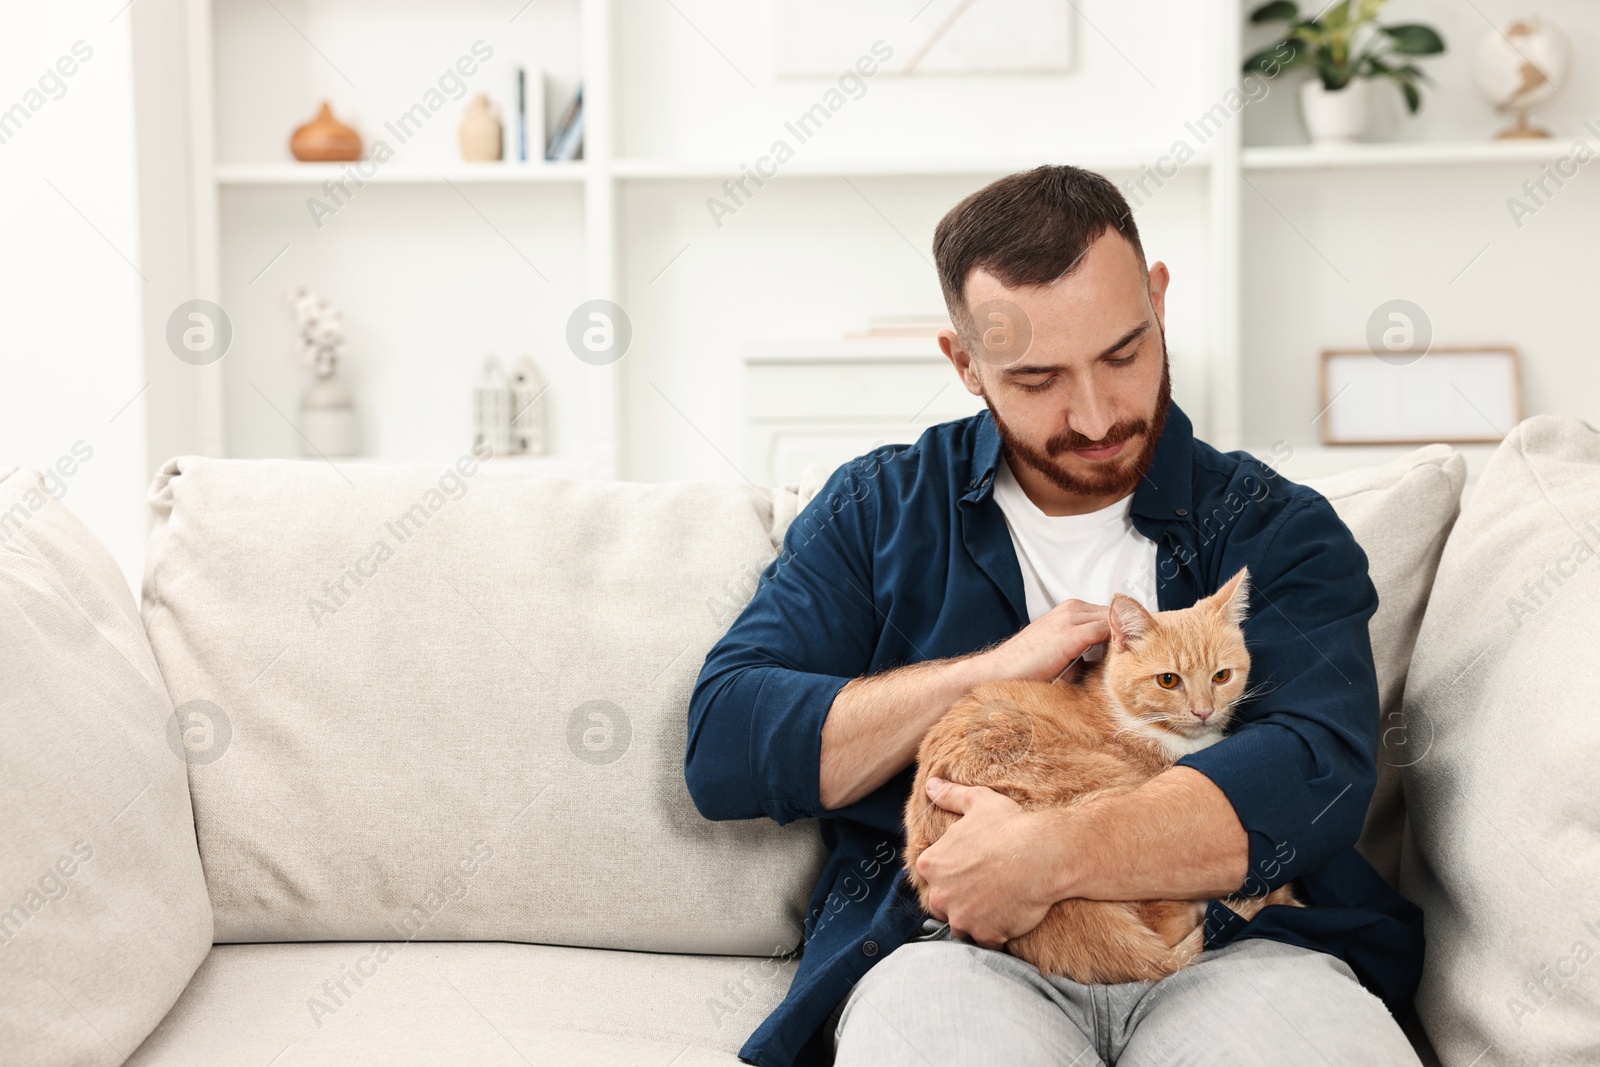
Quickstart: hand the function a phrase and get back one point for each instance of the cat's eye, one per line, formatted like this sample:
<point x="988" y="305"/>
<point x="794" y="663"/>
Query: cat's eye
<point x="1167" y="680"/>
<point x="1222" y="676"/>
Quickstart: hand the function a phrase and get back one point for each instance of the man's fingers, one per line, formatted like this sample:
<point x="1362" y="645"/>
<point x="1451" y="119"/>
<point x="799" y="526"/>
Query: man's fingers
<point x="984" y="940"/>
<point x="948" y="795"/>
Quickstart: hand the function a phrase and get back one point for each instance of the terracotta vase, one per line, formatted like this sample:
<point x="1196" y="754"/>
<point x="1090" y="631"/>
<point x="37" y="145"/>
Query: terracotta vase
<point x="325" y="140"/>
<point x="481" y="133"/>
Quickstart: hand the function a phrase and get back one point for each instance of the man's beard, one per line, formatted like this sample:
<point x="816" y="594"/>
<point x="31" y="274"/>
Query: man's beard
<point x="1116" y="479"/>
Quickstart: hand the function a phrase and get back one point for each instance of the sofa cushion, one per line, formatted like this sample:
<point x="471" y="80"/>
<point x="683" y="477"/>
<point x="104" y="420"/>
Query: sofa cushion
<point x="104" y="915"/>
<point x="456" y="700"/>
<point x="1503" y="848"/>
<point x="466" y="1002"/>
<point x="1400" y="513"/>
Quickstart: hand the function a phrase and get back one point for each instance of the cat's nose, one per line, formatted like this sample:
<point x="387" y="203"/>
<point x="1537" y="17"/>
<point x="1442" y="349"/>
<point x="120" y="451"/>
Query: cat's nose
<point x="1202" y="713"/>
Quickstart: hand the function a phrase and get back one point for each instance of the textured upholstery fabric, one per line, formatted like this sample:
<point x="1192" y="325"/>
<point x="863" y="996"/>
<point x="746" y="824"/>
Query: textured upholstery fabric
<point x="1503" y="844"/>
<point x="1400" y="513"/>
<point x="483" y="1004"/>
<point x="103" y="909"/>
<point x="457" y="702"/>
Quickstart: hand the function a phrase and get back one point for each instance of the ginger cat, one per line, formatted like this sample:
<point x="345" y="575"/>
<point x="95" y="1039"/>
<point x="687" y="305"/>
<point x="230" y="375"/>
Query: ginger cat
<point x="1167" y="686"/>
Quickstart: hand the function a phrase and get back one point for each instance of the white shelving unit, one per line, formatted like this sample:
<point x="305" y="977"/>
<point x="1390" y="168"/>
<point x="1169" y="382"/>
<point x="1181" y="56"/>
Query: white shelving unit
<point x="439" y="262"/>
<point x="315" y="174"/>
<point x="1419" y="154"/>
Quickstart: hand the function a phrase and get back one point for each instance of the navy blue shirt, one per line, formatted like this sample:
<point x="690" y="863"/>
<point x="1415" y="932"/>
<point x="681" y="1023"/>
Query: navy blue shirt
<point x="904" y="556"/>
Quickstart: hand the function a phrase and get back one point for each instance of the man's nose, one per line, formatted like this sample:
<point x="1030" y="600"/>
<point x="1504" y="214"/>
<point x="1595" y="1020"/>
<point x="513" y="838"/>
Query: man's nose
<point x="1090" y="416"/>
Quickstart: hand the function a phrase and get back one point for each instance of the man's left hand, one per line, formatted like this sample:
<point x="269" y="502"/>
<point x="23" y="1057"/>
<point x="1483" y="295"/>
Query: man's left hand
<point x="990" y="875"/>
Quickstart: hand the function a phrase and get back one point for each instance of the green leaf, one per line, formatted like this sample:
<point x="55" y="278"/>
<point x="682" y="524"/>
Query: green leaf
<point x="1337" y="16"/>
<point x="1413" y="98"/>
<point x="1274" y="10"/>
<point x="1414" y="40"/>
<point x="1270" y="62"/>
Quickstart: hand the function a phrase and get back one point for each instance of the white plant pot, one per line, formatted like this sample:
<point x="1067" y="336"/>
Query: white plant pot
<point x="328" y="423"/>
<point x="1337" y="117"/>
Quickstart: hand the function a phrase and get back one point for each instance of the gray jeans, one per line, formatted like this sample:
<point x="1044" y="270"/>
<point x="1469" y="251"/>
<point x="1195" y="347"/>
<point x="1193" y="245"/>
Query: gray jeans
<point x="1252" y="1002"/>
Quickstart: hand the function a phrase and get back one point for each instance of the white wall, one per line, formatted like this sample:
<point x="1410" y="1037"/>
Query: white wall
<point x="70" y="294"/>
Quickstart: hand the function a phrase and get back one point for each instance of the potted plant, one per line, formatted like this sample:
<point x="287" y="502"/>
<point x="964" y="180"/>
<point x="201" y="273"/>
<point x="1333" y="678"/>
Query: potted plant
<point x="1348" y="49"/>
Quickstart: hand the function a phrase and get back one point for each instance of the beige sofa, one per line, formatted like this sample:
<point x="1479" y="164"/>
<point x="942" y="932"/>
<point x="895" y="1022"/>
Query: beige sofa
<point x="388" y="768"/>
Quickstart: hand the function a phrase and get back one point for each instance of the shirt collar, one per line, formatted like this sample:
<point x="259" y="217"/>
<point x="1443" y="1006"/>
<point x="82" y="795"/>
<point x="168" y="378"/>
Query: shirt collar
<point x="1165" y="492"/>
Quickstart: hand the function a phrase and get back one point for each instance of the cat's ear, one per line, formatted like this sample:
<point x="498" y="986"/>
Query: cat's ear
<point x="1129" y="621"/>
<point x="1233" y="599"/>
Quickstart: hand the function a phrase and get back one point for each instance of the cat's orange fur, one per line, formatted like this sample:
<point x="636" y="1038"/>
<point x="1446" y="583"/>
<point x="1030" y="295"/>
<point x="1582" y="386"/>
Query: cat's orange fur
<point x="1051" y="744"/>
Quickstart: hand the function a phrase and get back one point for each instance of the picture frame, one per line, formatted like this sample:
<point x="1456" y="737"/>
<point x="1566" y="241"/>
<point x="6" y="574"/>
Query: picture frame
<point x="1448" y="395"/>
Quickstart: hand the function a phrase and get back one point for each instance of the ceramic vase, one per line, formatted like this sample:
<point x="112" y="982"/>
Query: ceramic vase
<point x="325" y="140"/>
<point x="482" y="137"/>
<point x="328" y="424"/>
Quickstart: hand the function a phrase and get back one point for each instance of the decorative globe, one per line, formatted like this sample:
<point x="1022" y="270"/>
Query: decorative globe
<point x="1521" y="65"/>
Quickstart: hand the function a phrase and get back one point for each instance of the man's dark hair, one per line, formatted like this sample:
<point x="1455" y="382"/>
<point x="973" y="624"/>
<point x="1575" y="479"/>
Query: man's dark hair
<point x="1027" y="229"/>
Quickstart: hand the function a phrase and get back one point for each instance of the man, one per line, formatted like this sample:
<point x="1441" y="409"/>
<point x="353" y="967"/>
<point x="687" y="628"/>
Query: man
<point x="989" y="549"/>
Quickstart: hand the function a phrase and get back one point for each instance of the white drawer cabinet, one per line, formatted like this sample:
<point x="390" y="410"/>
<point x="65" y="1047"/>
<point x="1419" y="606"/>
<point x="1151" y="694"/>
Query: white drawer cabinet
<point x="829" y="401"/>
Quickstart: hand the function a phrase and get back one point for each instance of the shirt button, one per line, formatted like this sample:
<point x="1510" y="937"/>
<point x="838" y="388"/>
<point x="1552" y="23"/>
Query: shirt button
<point x="1182" y="512"/>
<point x="869" y="948"/>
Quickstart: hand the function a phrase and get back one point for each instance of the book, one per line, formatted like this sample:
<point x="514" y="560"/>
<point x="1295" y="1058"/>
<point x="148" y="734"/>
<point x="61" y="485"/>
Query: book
<point x="522" y="115"/>
<point x="567" y="138"/>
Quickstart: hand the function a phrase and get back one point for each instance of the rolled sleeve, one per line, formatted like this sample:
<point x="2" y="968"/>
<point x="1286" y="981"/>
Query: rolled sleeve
<point x="1300" y="764"/>
<point x="756" y="713"/>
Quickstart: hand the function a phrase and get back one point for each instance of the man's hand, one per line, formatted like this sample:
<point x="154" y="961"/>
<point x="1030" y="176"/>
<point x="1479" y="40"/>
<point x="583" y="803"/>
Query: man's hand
<point x="1043" y="648"/>
<point x="990" y="876"/>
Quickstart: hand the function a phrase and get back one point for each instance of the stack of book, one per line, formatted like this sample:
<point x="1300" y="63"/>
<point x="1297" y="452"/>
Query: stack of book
<point x="899" y="326"/>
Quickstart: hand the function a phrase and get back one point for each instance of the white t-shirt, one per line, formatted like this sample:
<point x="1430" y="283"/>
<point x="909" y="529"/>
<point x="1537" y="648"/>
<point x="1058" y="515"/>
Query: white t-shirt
<point x="1087" y="557"/>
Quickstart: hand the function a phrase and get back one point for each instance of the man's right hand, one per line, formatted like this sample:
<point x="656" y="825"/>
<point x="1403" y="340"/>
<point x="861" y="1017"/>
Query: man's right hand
<point x="876" y="723"/>
<point x="1042" y="650"/>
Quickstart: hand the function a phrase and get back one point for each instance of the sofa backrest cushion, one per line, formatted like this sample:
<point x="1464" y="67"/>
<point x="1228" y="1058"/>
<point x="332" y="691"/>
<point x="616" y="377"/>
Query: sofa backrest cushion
<point x="103" y="909"/>
<point x="1503" y="848"/>
<point x="1400" y="513"/>
<point x="456" y="699"/>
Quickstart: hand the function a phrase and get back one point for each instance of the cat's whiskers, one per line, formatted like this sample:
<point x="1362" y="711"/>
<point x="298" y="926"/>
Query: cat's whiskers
<point x="1254" y="691"/>
<point x="1133" y="723"/>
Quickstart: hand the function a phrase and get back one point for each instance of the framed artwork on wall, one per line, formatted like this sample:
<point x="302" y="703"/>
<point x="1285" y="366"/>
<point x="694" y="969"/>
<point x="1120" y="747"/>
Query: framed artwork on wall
<point x="1450" y="395"/>
<point x="820" y="38"/>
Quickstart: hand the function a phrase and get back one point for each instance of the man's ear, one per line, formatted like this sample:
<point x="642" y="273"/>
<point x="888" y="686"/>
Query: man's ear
<point x="1159" y="278"/>
<point x="1129" y="621"/>
<point x="960" y="357"/>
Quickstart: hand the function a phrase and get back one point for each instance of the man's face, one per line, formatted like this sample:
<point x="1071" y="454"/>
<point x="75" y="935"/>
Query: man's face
<point x="1074" y="372"/>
